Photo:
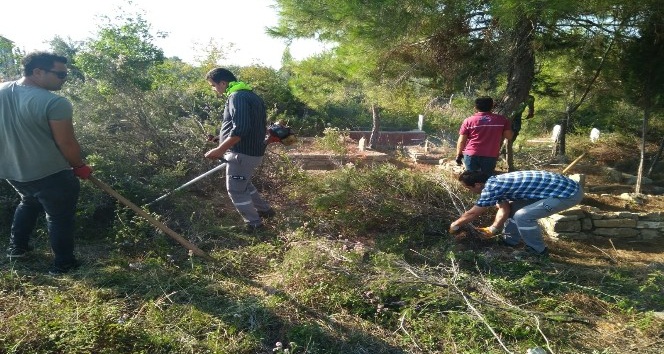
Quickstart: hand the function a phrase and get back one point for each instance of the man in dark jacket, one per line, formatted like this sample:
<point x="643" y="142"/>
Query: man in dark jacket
<point x="242" y="144"/>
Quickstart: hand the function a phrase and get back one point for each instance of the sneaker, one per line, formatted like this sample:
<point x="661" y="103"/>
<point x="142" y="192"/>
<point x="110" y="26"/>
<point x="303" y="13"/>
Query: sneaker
<point x="59" y="270"/>
<point x="14" y="252"/>
<point x="267" y="213"/>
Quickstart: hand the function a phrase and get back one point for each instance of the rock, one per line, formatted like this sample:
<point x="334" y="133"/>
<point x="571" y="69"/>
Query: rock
<point x="634" y="197"/>
<point x="631" y="180"/>
<point x="613" y="174"/>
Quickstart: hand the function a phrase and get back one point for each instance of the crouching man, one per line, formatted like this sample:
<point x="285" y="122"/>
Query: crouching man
<point x="522" y="198"/>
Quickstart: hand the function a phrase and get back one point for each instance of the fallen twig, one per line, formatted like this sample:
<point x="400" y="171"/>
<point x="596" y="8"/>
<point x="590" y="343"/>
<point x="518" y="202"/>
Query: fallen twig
<point x="474" y="310"/>
<point x="539" y="329"/>
<point x="402" y="319"/>
<point x="606" y="254"/>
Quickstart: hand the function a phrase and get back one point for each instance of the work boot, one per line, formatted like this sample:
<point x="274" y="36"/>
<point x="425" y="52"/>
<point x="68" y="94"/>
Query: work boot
<point x="252" y="229"/>
<point x="62" y="269"/>
<point x="267" y="213"/>
<point x="16" y="252"/>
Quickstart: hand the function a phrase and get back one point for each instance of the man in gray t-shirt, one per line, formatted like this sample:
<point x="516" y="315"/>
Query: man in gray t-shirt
<point x="41" y="157"/>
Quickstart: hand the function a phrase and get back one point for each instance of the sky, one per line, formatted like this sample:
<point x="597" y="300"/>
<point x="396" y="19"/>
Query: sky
<point x="191" y="25"/>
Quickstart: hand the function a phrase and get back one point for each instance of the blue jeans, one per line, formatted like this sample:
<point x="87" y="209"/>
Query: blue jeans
<point x="523" y="225"/>
<point x="57" y="195"/>
<point x="483" y="164"/>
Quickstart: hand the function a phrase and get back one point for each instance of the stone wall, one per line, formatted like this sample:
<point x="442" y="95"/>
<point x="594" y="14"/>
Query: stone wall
<point x="392" y="139"/>
<point x="312" y="161"/>
<point x="584" y="222"/>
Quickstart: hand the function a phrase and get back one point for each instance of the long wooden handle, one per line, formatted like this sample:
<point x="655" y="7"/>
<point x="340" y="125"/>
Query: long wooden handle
<point x="574" y="162"/>
<point x="188" y="245"/>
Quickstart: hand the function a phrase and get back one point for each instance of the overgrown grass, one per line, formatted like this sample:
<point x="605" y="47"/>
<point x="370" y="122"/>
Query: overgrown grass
<point x="357" y="261"/>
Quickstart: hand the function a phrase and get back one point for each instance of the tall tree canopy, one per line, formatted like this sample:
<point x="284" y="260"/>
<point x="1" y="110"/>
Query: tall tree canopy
<point x="458" y="45"/>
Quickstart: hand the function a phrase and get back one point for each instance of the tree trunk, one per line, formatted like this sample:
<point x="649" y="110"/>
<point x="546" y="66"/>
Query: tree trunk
<point x="509" y="155"/>
<point x="570" y="109"/>
<point x="656" y="159"/>
<point x="560" y="146"/>
<point x="520" y="74"/>
<point x="644" y="130"/>
<point x="375" y="127"/>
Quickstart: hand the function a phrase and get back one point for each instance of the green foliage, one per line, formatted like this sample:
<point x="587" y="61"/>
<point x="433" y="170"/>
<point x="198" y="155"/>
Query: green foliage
<point x="333" y="140"/>
<point x="9" y="61"/>
<point x="388" y="287"/>
<point x="122" y="57"/>
<point x="273" y="87"/>
<point x="343" y="200"/>
<point x="643" y="74"/>
<point x="652" y="289"/>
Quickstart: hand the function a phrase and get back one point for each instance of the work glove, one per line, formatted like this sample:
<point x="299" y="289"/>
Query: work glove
<point x="83" y="172"/>
<point x="459" y="159"/>
<point x="488" y="232"/>
<point x="453" y="229"/>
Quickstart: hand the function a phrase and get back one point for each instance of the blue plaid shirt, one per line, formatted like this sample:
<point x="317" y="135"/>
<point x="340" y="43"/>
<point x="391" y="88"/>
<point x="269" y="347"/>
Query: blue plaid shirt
<point x="526" y="185"/>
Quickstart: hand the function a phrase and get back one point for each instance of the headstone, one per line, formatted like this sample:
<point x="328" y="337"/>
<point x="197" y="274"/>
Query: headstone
<point x="555" y="133"/>
<point x="361" y="144"/>
<point x="420" y="122"/>
<point x="594" y="135"/>
<point x="538" y="350"/>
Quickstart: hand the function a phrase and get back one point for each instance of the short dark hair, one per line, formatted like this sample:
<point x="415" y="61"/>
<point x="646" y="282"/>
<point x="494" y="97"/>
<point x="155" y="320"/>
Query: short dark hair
<point x="469" y="178"/>
<point x="484" y="104"/>
<point x="41" y="60"/>
<point x="220" y="74"/>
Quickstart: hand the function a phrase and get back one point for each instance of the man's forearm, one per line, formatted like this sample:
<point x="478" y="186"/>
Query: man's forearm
<point x="461" y="144"/>
<point x="71" y="150"/>
<point x="502" y="215"/>
<point x="229" y="142"/>
<point x="469" y="216"/>
<point x="65" y="140"/>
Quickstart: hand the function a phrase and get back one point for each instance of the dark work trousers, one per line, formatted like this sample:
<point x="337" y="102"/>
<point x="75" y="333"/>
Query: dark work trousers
<point x="56" y="195"/>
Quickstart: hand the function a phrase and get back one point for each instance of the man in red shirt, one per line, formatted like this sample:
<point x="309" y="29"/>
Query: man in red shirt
<point x="481" y="136"/>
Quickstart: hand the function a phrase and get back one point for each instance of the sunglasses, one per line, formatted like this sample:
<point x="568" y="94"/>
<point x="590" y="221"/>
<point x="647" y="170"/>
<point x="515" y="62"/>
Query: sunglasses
<point x="60" y="74"/>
